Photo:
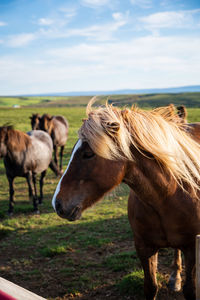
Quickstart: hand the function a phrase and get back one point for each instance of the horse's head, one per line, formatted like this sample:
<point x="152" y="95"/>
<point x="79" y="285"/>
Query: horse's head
<point x="46" y="123"/>
<point x="87" y="178"/>
<point x="182" y="112"/>
<point x="35" y="121"/>
<point x="129" y="145"/>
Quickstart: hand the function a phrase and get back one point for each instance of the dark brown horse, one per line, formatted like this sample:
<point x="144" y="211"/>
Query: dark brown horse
<point x="35" y="121"/>
<point x="156" y="155"/>
<point x="25" y="155"/>
<point x="57" y="127"/>
<point x="182" y="113"/>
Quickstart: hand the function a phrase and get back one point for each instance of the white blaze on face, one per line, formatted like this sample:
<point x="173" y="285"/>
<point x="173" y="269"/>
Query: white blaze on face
<point x="77" y="146"/>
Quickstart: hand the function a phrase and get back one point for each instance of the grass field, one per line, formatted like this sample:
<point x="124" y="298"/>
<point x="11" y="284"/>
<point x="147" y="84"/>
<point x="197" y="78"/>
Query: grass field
<point x="93" y="258"/>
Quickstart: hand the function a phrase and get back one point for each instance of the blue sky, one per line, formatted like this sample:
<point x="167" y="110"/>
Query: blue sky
<point x="80" y="45"/>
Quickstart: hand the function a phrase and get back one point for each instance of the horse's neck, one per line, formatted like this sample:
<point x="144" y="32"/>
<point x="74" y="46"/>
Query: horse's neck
<point x="148" y="180"/>
<point x="17" y="144"/>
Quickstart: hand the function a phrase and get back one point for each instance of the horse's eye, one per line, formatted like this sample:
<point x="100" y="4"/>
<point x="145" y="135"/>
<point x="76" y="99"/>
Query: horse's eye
<point x="88" y="154"/>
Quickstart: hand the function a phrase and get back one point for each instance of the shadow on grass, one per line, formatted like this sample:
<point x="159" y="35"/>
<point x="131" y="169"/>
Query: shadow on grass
<point x="87" y="259"/>
<point x="24" y="206"/>
<point x="75" y="253"/>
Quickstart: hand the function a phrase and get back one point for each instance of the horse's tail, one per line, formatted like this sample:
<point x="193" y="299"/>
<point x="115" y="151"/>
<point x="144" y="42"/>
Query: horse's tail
<point x="54" y="168"/>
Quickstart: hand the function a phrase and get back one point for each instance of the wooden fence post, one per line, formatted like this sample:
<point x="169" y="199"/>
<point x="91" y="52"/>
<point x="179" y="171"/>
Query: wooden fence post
<point x="198" y="267"/>
<point x="10" y="290"/>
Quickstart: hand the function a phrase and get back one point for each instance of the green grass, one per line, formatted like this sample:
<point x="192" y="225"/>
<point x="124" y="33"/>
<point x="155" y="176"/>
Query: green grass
<point x="132" y="284"/>
<point x="122" y="261"/>
<point x="43" y="101"/>
<point x="56" y="258"/>
<point x="53" y="251"/>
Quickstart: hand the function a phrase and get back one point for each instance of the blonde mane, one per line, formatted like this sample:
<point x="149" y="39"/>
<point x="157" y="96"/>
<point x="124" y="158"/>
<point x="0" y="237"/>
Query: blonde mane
<point x="111" y="131"/>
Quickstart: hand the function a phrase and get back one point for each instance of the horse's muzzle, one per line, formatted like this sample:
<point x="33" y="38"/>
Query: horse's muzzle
<point x="72" y="214"/>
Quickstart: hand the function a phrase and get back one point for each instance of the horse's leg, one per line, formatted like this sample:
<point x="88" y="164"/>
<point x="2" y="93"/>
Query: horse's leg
<point x="11" y="192"/>
<point x="41" y="186"/>
<point x="61" y="157"/>
<point x="189" y="286"/>
<point x="175" y="277"/>
<point x="35" y="198"/>
<point x="56" y="155"/>
<point x="148" y="258"/>
<point x="54" y="168"/>
<point x="30" y="189"/>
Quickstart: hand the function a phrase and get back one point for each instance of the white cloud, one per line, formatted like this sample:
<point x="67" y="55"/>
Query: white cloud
<point x="95" y="3"/>
<point x="57" y="29"/>
<point x="142" y="3"/>
<point x="169" y="19"/>
<point x="118" y="16"/>
<point x="142" y="53"/>
<point x="61" y="17"/>
<point x="3" y="23"/>
<point x="101" y="32"/>
<point x="140" y="63"/>
<point x="102" y="61"/>
<point x="21" y="40"/>
<point x="45" y="21"/>
<point x="69" y="12"/>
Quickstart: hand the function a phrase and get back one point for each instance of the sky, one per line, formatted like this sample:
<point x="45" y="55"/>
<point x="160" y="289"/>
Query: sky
<point x="49" y="46"/>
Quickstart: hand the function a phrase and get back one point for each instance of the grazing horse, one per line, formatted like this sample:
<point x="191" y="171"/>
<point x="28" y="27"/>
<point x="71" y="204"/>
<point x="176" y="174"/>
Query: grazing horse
<point x="25" y="155"/>
<point x="57" y="128"/>
<point x="156" y="156"/>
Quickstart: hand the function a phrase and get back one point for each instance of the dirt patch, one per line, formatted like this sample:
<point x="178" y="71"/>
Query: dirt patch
<point x="58" y="277"/>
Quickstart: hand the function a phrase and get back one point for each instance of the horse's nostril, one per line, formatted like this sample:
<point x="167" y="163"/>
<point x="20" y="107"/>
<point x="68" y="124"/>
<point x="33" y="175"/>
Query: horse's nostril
<point x="58" y="206"/>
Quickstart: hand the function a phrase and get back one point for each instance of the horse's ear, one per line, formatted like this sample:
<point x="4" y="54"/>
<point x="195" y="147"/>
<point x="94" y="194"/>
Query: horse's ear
<point x="112" y="127"/>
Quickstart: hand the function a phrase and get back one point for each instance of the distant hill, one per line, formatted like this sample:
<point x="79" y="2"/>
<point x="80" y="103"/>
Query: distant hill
<point x="189" y="99"/>
<point x="183" y="89"/>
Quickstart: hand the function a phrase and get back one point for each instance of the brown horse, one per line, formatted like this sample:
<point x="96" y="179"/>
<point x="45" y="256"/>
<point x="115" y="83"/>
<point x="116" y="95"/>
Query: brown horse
<point x="57" y="127"/>
<point x="25" y="155"/>
<point x="153" y="153"/>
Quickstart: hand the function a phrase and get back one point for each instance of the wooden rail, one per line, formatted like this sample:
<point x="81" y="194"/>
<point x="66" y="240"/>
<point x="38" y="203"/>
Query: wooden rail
<point x="8" y="288"/>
